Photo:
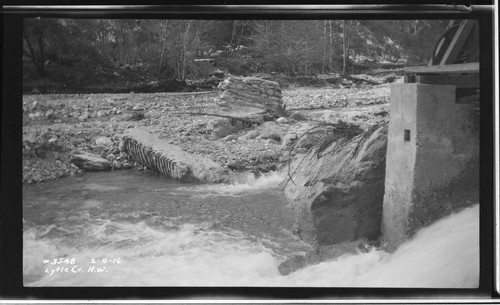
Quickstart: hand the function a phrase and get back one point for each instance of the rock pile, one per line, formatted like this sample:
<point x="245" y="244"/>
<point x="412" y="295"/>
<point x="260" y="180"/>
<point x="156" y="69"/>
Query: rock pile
<point x="251" y="92"/>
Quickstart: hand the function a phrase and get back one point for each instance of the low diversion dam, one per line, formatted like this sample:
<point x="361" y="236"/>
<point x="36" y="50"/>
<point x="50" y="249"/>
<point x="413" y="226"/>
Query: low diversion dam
<point x="135" y="228"/>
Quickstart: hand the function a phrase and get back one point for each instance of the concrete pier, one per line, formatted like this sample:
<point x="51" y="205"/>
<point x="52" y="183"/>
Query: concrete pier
<point x="432" y="157"/>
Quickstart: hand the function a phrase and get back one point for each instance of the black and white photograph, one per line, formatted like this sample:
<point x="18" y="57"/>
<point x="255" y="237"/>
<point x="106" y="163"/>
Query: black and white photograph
<point x="251" y="152"/>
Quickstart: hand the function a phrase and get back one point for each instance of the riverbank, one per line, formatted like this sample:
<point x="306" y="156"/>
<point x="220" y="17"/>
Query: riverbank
<point x="57" y="125"/>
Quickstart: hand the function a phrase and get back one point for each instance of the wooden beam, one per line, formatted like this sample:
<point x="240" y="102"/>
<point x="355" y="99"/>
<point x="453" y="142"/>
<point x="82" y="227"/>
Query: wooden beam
<point x="459" y="81"/>
<point x="472" y="67"/>
<point x="457" y="42"/>
<point x="474" y="45"/>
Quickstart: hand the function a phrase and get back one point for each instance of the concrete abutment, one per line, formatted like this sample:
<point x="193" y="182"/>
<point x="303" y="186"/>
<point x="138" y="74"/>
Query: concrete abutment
<point x="432" y="155"/>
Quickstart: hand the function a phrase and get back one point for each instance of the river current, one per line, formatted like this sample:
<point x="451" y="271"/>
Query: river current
<point x="133" y="228"/>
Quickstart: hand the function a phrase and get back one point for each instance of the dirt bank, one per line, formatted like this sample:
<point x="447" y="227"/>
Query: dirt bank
<point x="54" y="125"/>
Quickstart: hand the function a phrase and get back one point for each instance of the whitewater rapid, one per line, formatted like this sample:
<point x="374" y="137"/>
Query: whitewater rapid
<point x="163" y="251"/>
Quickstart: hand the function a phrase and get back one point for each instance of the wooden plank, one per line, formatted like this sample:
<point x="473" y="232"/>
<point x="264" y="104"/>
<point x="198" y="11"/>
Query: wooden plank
<point x="472" y="67"/>
<point x="459" y="81"/>
<point x="204" y="60"/>
<point x="457" y="42"/>
<point x="474" y="47"/>
<point x="451" y="23"/>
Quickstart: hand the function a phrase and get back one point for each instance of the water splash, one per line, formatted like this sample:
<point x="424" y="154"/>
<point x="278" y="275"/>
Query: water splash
<point x="243" y="182"/>
<point x="445" y="254"/>
<point x="187" y="255"/>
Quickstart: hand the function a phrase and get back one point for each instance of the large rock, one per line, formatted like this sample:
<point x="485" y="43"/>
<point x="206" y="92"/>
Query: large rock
<point x="90" y="162"/>
<point x="338" y="189"/>
<point x="222" y="127"/>
<point x="270" y="135"/>
<point x="309" y="139"/>
<point x="252" y="134"/>
<point x="104" y="141"/>
<point x="147" y="149"/>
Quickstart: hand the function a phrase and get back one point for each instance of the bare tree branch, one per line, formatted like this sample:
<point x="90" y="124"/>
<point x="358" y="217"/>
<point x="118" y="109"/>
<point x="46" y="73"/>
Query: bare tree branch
<point x="220" y="115"/>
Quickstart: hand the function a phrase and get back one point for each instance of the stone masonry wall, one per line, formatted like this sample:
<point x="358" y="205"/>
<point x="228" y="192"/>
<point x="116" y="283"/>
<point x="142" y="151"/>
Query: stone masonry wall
<point x="251" y="92"/>
<point x="147" y="149"/>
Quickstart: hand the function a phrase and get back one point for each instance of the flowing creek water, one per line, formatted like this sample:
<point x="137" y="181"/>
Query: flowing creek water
<point x="133" y="228"/>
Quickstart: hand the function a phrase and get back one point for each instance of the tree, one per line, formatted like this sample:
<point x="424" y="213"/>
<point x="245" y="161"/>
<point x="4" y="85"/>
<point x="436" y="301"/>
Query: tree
<point x="181" y="42"/>
<point x="347" y="29"/>
<point x="35" y="41"/>
<point x="168" y="48"/>
<point x="411" y="40"/>
<point x="163" y="49"/>
<point x="65" y="41"/>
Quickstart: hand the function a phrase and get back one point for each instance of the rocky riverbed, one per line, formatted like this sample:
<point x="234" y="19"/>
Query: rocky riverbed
<point x="56" y="126"/>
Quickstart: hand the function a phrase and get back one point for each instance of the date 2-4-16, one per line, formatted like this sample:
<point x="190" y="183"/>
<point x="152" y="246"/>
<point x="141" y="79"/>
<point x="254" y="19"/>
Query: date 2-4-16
<point x="106" y="260"/>
<point x="72" y="261"/>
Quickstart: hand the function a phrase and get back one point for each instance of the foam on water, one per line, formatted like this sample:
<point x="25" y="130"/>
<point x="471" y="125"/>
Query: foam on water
<point x="187" y="255"/>
<point x="443" y="255"/>
<point x="241" y="183"/>
<point x="99" y="187"/>
<point x="446" y="254"/>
